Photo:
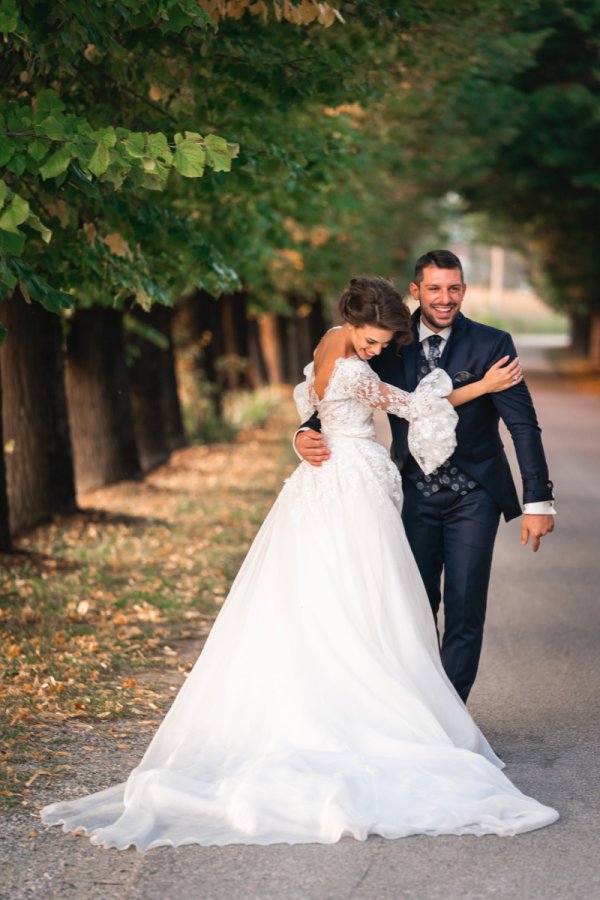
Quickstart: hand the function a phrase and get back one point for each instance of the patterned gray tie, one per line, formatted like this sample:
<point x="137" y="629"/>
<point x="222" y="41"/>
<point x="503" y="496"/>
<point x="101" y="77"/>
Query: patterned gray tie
<point x="448" y="476"/>
<point x="434" y="351"/>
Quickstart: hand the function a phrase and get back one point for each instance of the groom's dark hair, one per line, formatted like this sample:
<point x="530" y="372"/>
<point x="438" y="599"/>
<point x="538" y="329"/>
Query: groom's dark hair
<point x="442" y="259"/>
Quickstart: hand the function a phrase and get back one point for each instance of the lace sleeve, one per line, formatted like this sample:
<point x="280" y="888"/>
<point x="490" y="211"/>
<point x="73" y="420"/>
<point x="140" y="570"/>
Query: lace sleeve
<point x="432" y="428"/>
<point x="301" y="395"/>
<point x="432" y="419"/>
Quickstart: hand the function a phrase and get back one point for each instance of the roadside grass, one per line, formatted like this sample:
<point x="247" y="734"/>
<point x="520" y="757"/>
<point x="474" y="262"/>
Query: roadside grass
<point x="92" y="603"/>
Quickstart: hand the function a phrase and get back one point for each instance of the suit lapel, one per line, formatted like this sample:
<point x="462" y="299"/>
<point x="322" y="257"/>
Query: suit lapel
<point x="410" y="352"/>
<point x="453" y="344"/>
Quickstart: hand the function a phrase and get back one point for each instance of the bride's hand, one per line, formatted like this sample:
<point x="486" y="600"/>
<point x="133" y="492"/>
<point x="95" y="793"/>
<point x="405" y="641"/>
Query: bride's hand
<point x="502" y="375"/>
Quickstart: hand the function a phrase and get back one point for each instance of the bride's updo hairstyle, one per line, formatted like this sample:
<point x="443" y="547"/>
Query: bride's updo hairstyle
<point x="371" y="300"/>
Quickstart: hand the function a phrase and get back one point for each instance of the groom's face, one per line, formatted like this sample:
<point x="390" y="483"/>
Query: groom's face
<point x="440" y="295"/>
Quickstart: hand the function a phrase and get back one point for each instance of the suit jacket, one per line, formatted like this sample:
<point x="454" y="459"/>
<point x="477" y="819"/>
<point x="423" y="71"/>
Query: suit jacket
<point x="469" y="352"/>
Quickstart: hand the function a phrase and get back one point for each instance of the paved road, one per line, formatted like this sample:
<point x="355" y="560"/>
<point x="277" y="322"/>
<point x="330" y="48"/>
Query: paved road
<point x="536" y="698"/>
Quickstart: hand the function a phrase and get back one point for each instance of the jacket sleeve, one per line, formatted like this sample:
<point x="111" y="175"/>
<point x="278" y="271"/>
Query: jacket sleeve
<point x="314" y="422"/>
<point x="515" y="408"/>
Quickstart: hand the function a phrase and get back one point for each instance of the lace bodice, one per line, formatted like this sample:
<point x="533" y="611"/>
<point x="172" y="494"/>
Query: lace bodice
<point x="354" y="391"/>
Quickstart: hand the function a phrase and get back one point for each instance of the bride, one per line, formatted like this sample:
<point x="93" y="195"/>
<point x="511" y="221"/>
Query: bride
<point x="319" y="706"/>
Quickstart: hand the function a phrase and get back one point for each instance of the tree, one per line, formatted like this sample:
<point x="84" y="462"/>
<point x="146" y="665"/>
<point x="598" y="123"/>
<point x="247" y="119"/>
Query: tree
<point x="152" y="385"/>
<point x="5" y="543"/>
<point x="35" y="421"/>
<point x="63" y="164"/>
<point x="517" y="137"/>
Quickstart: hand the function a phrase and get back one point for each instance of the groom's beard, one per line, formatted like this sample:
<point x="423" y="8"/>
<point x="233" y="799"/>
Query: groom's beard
<point x="429" y="315"/>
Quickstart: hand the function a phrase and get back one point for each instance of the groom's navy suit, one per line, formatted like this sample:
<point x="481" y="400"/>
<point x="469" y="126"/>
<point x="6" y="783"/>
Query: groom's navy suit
<point x="454" y="532"/>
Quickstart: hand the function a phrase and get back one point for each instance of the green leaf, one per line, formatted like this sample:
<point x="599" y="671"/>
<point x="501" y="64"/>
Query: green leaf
<point x="106" y="136"/>
<point x="8" y="279"/>
<point x="12" y="243"/>
<point x="53" y="127"/>
<point x="17" y="164"/>
<point x="158" y="146"/>
<point x="52" y="300"/>
<point x="100" y="160"/>
<point x="135" y="144"/>
<point x="57" y="163"/>
<point x="9" y="16"/>
<point x="25" y="292"/>
<point x="14" y="215"/>
<point x="7" y="149"/>
<point x="37" y="149"/>
<point x="48" y="102"/>
<point x="37" y="225"/>
<point x="217" y="153"/>
<point x="3" y="193"/>
<point x="189" y="157"/>
<point x="38" y="289"/>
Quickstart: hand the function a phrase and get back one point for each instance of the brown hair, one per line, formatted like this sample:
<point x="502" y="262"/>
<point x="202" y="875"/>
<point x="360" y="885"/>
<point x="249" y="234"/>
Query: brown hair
<point x="371" y="300"/>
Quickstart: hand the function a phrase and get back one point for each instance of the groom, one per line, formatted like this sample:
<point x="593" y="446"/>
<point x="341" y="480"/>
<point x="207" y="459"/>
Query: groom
<point x="451" y="516"/>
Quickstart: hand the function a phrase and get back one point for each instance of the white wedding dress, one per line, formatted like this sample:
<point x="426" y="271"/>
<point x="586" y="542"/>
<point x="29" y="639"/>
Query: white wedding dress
<point x="319" y="707"/>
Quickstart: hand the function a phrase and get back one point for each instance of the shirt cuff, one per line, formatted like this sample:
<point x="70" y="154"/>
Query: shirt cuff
<point x="539" y="508"/>
<point x="306" y="428"/>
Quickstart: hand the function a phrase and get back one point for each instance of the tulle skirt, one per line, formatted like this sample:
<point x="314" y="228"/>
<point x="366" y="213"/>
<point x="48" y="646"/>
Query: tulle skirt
<point x="318" y="707"/>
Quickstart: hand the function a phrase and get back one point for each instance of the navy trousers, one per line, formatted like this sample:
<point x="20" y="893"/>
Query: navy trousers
<point x="455" y="536"/>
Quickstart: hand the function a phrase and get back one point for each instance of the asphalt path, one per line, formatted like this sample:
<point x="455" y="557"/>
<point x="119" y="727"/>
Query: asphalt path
<point x="536" y="698"/>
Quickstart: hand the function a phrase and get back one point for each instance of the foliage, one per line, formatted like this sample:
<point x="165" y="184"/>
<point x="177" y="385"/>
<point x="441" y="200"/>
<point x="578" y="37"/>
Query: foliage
<point x="517" y="137"/>
<point x="62" y="148"/>
<point x="112" y="98"/>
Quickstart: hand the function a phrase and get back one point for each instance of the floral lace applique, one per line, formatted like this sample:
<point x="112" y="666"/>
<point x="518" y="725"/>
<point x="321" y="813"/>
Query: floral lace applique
<point x="354" y="391"/>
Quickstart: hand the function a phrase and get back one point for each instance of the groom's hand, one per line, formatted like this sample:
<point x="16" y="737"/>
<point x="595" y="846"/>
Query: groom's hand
<point x="535" y="526"/>
<point x="312" y="447"/>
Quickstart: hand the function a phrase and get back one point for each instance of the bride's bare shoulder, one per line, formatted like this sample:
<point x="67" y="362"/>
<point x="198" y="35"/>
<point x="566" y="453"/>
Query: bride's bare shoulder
<point x="332" y="344"/>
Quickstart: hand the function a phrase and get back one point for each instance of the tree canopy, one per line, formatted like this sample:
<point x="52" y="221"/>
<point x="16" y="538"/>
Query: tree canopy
<point x="149" y="148"/>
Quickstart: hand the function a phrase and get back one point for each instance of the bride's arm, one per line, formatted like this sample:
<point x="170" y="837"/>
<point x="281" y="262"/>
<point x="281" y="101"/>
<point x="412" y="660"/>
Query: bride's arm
<point x="499" y="377"/>
<point x="431" y="418"/>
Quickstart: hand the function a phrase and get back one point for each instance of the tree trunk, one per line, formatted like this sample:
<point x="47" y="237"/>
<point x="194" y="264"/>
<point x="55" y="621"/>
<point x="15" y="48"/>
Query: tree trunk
<point x="98" y="391"/>
<point x="171" y="405"/>
<point x="594" y="339"/>
<point x="39" y="466"/>
<point x="153" y="390"/>
<point x="299" y="334"/>
<point x="5" y="546"/>
<point x="270" y="346"/>
<point x="257" y="371"/>
<point x="316" y="321"/>
<point x="231" y="342"/>
<point x="291" y="368"/>
<point x="306" y="344"/>
<point x="204" y="323"/>
<point x="580" y="333"/>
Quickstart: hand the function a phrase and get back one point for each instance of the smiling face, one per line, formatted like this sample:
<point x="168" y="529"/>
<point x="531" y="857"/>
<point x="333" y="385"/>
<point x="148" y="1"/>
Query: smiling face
<point x="440" y="295"/>
<point x="369" y="340"/>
